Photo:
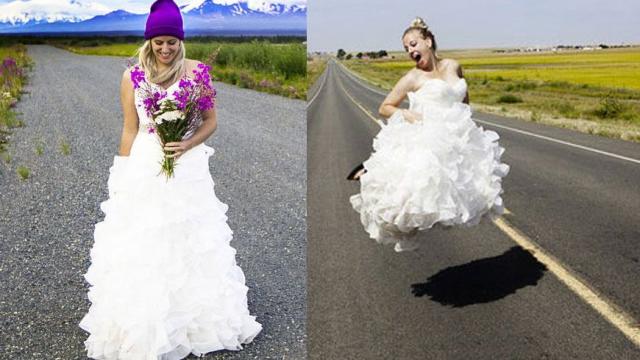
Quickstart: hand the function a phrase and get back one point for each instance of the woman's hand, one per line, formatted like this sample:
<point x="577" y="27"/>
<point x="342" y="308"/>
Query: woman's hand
<point x="178" y="148"/>
<point x="411" y="116"/>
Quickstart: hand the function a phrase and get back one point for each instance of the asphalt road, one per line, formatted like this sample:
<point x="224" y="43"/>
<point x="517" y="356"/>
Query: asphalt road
<point x="471" y="293"/>
<point x="46" y="222"/>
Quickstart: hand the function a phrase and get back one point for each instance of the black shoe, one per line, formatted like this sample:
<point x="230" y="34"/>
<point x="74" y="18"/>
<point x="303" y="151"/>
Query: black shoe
<point x="352" y="174"/>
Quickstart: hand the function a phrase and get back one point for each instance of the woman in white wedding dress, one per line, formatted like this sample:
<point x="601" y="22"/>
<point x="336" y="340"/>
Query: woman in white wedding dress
<point x="164" y="280"/>
<point x="431" y="163"/>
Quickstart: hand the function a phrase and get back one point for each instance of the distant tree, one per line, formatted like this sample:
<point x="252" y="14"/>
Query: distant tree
<point x="341" y="54"/>
<point x="359" y="55"/>
<point x="604" y="46"/>
<point x="349" y="56"/>
<point x="382" y="53"/>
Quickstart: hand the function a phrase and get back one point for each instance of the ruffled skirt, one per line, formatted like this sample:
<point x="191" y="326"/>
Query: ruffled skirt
<point x="164" y="280"/>
<point x="442" y="170"/>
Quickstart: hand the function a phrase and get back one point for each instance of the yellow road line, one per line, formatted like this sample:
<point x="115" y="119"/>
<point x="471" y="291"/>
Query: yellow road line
<point x="377" y="121"/>
<point x="611" y="312"/>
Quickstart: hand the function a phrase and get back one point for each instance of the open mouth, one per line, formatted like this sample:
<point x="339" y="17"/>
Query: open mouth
<point x="415" y="55"/>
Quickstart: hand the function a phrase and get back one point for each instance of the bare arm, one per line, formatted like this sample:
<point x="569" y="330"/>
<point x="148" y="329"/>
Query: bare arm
<point x="130" y="127"/>
<point x="396" y="96"/>
<point x="208" y="127"/>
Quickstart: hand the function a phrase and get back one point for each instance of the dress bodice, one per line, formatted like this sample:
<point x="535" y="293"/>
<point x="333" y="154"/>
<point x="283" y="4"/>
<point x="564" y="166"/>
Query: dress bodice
<point x="144" y="119"/>
<point x="139" y="95"/>
<point x="437" y="93"/>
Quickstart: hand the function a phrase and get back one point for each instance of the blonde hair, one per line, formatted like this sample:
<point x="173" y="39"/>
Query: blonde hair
<point x="147" y="61"/>
<point x="418" y="24"/>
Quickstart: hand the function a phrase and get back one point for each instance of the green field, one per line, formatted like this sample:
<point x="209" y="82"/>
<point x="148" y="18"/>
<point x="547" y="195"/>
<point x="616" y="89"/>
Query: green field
<point x="592" y="91"/>
<point x="278" y="68"/>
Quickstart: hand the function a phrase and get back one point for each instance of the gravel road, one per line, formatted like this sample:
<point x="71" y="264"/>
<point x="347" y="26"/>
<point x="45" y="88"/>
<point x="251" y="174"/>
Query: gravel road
<point x="47" y="221"/>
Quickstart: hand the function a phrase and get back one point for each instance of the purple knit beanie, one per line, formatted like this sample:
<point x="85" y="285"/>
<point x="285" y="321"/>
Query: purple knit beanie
<point x="164" y="19"/>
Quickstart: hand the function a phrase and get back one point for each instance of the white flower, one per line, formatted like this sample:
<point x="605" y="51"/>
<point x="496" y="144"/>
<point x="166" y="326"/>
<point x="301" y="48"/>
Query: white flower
<point x="6" y="94"/>
<point x="169" y="116"/>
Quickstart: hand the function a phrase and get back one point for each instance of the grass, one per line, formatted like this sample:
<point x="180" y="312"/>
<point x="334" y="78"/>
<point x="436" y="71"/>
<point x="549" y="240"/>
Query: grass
<point x="23" y="172"/>
<point x="263" y="65"/>
<point x="596" y="92"/>
<point x="39" y="148"/>
<point x="315" y="68"/>
<point x="13" y="65"/>
<point x="65" y="148"/>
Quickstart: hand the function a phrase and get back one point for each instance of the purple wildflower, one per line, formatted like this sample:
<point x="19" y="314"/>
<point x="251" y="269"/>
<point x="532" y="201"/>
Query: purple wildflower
<point x="182" y="97"/>
<point x="202" y="76"/>
<point x="9" y="62"/>
<point x="205" y="103"/>
<point x="185" y="84"/>
<point x="10" y="68"/>
<point x="137" y="76"/>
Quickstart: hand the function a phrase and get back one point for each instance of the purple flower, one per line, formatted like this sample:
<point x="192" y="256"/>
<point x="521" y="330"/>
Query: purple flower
<point x="182" y="97"/>
<point x="202" y="76"/>
<point x="205" y="103"/>
<point x="185" y="83"/>
<point x="151" y="130"/>
<point x="10" y="68"/>
<point x="137" y="76"/>
<point x="148" y="105"/>
<point x="151" y="102"/>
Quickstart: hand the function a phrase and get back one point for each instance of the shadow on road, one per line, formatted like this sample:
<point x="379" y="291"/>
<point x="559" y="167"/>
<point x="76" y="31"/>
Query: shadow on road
<point x="484" y="280"/>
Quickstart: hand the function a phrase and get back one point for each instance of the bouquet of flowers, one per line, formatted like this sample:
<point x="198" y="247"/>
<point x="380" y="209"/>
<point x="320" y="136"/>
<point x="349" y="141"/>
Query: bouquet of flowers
<point x="175" y="117"/>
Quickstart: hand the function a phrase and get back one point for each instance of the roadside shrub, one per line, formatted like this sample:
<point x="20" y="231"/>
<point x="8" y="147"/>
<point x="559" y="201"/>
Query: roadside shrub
<point x="509" y="99"/>
<point x="567" y="110"/>
<point x="609" y="108"/>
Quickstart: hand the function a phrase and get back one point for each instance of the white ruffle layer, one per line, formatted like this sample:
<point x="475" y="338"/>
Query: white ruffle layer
<point x="164" y="280"/>
<point x="444" y="169"/>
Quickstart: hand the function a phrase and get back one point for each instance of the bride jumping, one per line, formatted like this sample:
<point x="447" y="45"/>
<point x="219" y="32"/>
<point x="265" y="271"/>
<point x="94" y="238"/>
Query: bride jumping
<point x="431" y="163"/>
<point x="163" y="277"/>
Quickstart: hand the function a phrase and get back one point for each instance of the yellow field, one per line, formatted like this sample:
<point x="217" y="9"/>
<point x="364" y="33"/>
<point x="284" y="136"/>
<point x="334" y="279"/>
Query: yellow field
<point x="612" y="68"/>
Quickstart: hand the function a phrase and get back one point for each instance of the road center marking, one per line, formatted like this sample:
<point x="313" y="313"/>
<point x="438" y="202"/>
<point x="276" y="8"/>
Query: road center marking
<point x="611" y="312"/>
<point x="377" y="121"/>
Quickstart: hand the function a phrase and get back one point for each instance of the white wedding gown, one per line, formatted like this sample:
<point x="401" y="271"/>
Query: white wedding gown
<point x="164" y="280"/>
<point x="441" y="169"/>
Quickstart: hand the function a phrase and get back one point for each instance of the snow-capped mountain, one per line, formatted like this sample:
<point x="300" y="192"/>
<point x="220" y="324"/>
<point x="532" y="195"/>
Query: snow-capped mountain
<point x="39" y="11"/>
<point x="208" y="7"/>
<point x="23" y="16"/>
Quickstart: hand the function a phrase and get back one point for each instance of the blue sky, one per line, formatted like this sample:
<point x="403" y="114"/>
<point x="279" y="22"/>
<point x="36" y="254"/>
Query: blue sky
<point x="378" y="24"/>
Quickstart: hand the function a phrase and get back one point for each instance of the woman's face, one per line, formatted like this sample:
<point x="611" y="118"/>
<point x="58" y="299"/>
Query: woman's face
<point x="165" y="48"/>
<point x="417" y="47"/>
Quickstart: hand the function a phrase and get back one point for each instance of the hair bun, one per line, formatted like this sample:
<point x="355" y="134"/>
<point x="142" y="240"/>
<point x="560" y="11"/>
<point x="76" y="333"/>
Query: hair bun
<point x="419" y="23"/>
